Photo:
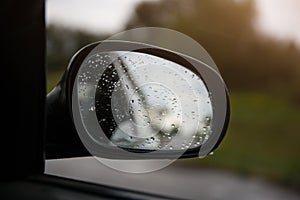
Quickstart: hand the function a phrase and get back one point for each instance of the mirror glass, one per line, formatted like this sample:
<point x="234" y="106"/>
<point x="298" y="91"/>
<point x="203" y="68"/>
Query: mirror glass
<point x="140" y="101"/>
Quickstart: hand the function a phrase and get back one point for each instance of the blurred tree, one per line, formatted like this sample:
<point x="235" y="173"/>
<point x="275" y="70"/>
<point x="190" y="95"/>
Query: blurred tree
<point x="63" y="42"/>
<point x="262" y="74"/>
<point x="226" y="29"/>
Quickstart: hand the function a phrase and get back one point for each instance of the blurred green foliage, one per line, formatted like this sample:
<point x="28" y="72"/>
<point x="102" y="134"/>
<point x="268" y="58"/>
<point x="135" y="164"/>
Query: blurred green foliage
<point x="247" y="59"/>
<point x="262" y="74"/>
<point x="263" y="138"/>
<point x="63" y="43"/>
<point x="263" y="77"/>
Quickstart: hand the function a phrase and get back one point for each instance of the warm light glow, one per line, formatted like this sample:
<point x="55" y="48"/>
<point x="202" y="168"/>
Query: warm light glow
<point x="276" y="17"/>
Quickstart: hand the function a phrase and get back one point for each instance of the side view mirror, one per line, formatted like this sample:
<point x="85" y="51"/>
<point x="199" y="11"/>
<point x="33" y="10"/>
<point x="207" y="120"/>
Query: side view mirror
<point x="127" y="100"/>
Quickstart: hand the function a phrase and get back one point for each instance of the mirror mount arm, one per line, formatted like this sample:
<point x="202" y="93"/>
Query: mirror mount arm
<point x="62" y="140"/>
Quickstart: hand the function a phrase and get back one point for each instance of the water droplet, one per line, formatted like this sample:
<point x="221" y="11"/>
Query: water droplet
<point x="211" y="153"/>
<point x="92" y="108"/>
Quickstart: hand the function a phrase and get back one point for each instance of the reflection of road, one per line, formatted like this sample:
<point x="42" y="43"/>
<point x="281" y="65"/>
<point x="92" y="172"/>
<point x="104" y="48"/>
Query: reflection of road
<point x="189" y="183"/>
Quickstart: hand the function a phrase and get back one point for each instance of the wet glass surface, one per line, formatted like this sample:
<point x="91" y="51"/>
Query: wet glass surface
<point x="140" y="101"/>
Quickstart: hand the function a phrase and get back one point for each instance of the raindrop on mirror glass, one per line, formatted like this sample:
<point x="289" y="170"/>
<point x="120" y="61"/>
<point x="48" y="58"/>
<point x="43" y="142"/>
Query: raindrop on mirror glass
<point x="92" y="108"/>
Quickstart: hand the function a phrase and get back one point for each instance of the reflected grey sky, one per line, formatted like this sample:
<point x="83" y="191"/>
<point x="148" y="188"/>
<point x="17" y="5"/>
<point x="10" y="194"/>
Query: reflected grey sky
<point x="279" y="18"/>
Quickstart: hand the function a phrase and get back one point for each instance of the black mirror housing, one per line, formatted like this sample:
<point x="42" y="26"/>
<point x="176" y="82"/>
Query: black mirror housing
<point x="67" y="137"/>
